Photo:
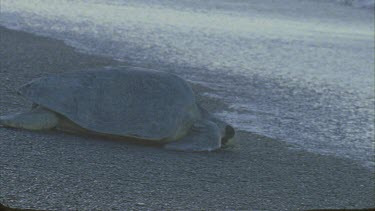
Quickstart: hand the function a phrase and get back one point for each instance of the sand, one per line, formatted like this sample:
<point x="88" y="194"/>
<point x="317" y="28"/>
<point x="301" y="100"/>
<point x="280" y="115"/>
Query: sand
<point x="54" y="170"/>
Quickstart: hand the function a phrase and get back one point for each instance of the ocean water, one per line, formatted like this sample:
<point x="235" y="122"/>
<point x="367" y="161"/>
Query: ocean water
<point x="301" y="71"/>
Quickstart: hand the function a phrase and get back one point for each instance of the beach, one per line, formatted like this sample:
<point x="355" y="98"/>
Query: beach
<point x="58" y="171"/>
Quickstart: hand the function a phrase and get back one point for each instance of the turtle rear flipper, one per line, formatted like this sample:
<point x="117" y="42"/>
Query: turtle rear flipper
<point x="36" y="119"/>
<point x="203" y="136"/>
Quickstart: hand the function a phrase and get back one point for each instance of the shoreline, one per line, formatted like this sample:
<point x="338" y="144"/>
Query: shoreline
<point x="54" y="170"/>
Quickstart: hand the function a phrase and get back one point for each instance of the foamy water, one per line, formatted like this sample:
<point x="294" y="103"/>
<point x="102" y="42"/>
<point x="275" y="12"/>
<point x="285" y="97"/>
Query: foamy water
<point x="300" y="71"/>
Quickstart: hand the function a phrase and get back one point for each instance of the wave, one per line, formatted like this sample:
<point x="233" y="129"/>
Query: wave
<point x="367" y="4"/>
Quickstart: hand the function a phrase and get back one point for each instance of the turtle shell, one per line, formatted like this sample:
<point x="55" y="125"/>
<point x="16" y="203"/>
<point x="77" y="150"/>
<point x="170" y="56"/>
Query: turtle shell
<point x="128" y="101"/>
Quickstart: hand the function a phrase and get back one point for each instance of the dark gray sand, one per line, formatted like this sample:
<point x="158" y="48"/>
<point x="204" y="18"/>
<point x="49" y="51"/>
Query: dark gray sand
<point x="54" y="170"/>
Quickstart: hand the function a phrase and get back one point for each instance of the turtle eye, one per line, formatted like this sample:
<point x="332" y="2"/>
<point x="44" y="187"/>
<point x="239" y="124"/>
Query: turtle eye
<point x="224" y="141"/>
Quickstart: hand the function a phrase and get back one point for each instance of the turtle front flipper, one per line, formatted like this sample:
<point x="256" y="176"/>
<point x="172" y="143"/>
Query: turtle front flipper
<point x="203" y="136"/>
<point x="36" y="119"/>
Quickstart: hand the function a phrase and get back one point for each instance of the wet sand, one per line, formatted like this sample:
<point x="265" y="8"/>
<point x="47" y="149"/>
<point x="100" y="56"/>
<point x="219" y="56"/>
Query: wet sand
<point x="54" y="170"/>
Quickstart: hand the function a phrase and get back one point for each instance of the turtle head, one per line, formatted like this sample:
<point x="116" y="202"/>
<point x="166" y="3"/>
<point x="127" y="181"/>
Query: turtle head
<point x="227" y="139"/>
<point x="226" y="130"/>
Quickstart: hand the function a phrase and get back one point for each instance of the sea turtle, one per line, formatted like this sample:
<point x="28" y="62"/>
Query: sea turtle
<point x="127" y="102"/>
